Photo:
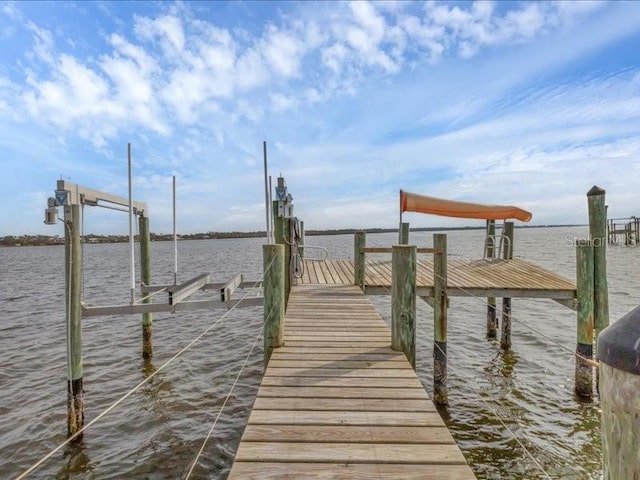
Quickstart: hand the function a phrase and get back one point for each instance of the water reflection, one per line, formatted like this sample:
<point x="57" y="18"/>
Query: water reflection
<point x="77" y="463"/>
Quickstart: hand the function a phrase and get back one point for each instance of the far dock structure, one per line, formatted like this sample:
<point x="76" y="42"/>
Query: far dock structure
<point x="625" y="231"/>
<point x="339" y="397"/>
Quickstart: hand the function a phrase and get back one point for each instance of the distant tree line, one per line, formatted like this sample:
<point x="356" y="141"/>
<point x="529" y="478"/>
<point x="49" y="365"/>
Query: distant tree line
<point x="35" y="240"/>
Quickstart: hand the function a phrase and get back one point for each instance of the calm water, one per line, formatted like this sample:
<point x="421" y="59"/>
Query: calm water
<point x="157" y="432"/>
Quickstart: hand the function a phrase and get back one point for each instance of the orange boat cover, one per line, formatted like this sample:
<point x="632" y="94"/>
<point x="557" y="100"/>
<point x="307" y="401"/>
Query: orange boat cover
<point x="412" y="202"/>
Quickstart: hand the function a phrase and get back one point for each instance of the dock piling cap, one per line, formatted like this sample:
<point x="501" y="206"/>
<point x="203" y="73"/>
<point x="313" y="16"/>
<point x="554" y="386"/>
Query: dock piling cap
<point x="619" y="343"/>
<point x="595" y="190"/>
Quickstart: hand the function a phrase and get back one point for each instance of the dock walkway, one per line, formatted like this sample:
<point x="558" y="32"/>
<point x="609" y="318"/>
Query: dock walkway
<point x="337" y="402"/>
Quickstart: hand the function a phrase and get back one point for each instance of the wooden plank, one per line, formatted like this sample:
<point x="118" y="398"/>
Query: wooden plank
<point x="347" y="471"/>
<point x="345" y="404"/>
<point x="334" y="417"/>
<point x="341" y="382"/>
<point x="333" y="363"/>
<point x="347" y="434"/>
<point x="342" y="392"/>
<point x="349" y="452"/>
<point x="367" y="372"/>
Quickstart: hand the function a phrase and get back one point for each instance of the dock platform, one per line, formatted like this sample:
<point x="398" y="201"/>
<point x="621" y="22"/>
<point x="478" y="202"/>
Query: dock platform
<point x="482" y="277"/>
<point x="337" y="402"/>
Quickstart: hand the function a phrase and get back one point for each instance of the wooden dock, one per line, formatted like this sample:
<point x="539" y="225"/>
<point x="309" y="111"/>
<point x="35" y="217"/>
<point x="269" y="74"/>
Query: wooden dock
<point x="483" y="277"/>
<point x="337" y="402"/>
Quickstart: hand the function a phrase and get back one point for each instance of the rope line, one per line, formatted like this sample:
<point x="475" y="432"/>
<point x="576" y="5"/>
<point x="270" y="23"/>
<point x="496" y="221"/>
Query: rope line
<point x="133" y="390"/>
<point x="213" y="426"/>
<point x="497" y="416"/>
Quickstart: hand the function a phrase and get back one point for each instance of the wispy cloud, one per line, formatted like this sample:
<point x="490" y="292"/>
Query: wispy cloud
<point x="485" y="101"/>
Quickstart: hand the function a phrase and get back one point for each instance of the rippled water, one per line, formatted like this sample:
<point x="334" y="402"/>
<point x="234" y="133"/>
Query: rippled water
<point x="500" y="403"/>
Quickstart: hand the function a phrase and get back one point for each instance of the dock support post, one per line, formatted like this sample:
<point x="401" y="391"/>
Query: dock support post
<point x="403" y="301"/>
<point x="302" y="240"/>
<point x="619" y="387"/>
<point x="273" y="258"/>
<point x="440" y="304"/>
<point x="492" y="322"/>
<point x="359" y="242"/>
<point x="507" y="254"/>
<point x="145" y="278"/>
<point x="404" y="234"/>
<point x="282" y="235"/>
<point x="73" y="297"/>
<point x="584" y="347"/>
<point x="598" y="232"/>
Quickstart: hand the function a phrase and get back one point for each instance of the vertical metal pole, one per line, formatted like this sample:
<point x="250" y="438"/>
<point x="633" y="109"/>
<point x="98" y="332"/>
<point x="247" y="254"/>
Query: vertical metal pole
<point x="131" y="251"/>
<point x="266" y="190"/>
<point x="73" y="284"/>
<point x="175" y="236"/>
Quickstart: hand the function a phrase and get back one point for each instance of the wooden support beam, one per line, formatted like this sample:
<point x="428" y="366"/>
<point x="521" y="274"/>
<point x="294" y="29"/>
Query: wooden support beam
<point x="282" y="232"/>
<point x="507" y="254"/>
<point x="177" y="293"/>
<point x="440" y="395"/>
<point x="584" y="347"/>
<point x="73" y="297"/>
<point x="274" y="298"/>
<point x="145" y="279"/>
<point x="403" y="301"/>
<point x="490" y="252"/>
<point x="226" y="291"/>
<point x="403" y="238"/>
<point x="560" y="296"/>
<point x="359" y="243"/>
<point x="597" y="234"/>
<point x="389" y="250"/>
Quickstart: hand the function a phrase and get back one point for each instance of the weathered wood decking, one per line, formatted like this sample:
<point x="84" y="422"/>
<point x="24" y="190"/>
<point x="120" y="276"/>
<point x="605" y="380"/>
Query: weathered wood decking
<point x="484" y="277"/>
<point x="337" y="402"/>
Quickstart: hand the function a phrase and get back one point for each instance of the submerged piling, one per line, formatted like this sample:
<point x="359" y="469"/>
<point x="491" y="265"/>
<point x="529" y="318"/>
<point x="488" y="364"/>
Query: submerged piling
<point x="73" y="297"/>
<point x="403" y="301"/>
<point x="492" y="321"/>
<point x="274" y="298"/>
<point x="507" y="254"/>
<point x="145" y="278"/>
<point x="440" y="304"/>
<point x="584" y="346"/>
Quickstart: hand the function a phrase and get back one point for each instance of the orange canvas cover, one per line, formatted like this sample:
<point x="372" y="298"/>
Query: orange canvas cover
<point x="412" y="202"/>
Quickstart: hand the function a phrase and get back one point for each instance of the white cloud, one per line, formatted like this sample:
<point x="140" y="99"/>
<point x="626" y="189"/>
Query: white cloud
<point x="283" y="52"/>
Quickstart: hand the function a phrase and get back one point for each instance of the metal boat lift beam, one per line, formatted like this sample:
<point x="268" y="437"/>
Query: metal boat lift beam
<point x="79" y="195"/>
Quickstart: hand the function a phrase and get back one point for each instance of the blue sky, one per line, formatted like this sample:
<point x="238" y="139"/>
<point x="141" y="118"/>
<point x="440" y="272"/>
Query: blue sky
<point x="510" y="102"/>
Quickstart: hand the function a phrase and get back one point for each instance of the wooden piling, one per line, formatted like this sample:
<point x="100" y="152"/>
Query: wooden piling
<point x="73" y="297"/>
<point x="404" y="234"/>
<point x="359" y="243"/>
<point x="507" y="254"/>
<point x="440" y="304"/>
<point x="274" y="298"/>
<point x="492" y="321"/>
<point x="282" y="235"/>
<point x="145" y="278"/>
<point x="302" y="240"/>
<point x="403" y="301"/>
<point x="598" y="232"/>
<point x="619" y="387"/>
<point x="584" y="347"/>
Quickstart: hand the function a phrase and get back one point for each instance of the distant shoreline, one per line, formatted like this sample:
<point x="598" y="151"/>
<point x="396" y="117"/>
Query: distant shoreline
<point x="44" y="240"/>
